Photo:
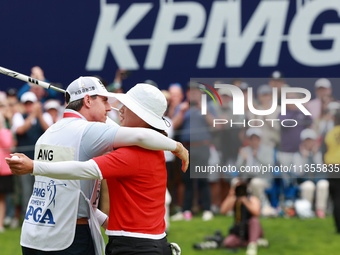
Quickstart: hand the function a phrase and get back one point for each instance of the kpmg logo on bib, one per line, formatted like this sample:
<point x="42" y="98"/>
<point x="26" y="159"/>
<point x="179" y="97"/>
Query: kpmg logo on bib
<point x="43" y="197"/>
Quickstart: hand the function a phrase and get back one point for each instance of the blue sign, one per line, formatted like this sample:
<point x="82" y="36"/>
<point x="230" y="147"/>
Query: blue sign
<point x="169" y="41"/>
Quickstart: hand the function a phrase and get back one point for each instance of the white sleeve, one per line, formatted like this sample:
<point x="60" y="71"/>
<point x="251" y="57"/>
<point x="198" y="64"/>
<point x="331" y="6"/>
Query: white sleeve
<point x="68" y="170"/>
<point x="18" y="120"/>
<point x="101" y="217"/>
<point x="48" y="118"/>
<point x="143" y="137"/>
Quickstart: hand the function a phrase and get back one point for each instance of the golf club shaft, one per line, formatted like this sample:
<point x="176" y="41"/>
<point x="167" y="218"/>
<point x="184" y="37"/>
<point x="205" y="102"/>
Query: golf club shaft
<point x="29" y="79"/>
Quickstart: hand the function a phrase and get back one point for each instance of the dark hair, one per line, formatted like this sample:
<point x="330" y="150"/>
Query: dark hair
<point x="241" y="189"/>
<point x="75" y="105"/>
<point x="159" y="130"/>
<point x="12" y="92"/>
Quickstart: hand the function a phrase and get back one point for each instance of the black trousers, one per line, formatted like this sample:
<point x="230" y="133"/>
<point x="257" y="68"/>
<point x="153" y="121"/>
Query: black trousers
<point x="121" y="245"/>
<point x="82" y="245"/>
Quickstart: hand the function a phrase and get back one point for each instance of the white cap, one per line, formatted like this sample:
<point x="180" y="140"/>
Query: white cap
<point x="51" y="104"/>
<point x="147" y="102"/>
<point x="28" y="96"/>
<point x="87" y="86"/>
<point x="323" y="83"/>
<point x="308" y="134"/>
<point x="254" y="131"/>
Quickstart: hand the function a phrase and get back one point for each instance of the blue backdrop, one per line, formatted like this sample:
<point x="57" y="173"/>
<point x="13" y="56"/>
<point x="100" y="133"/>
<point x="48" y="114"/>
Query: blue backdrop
<point x="169" y="41"/>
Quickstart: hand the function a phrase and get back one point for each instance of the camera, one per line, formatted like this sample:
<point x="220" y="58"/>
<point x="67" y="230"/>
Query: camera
<point x="210" y="242"/>
<point x="241" y="190"/>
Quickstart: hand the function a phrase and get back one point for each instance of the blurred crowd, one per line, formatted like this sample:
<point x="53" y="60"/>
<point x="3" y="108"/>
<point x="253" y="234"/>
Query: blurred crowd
<point x="27" y="113"/>
<point x="24" y="115"/>
<point x="254" y="141"/>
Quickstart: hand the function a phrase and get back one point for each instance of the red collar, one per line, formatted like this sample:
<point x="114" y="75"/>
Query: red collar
<point x="71" y="115"/>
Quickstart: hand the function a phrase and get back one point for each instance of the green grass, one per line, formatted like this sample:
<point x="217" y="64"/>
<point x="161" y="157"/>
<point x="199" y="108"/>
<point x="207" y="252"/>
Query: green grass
<point x="286" y="236"/>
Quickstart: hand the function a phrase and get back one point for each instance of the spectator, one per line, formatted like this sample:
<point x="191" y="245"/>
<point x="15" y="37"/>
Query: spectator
<point x="332" y="159"/>
<point x="247" y="230"/>
<point x="295" y="121"/>
<point x="6" y="178"/>
<point x="176" y="98"/>
<point x="193" y="131"/>
<point x="117" y="85"/>
<point x="8" y="106"/>
<point x="237" y="82"/>
<point x="52" y="109"/>
<point x="271" y="130"/>
<point x="13" y="101"/>
<point x="290" y="133"/>
<point x="28" y="127"/>
<point x="310" y="157"/>
<point x="41" y="93"/>
<point x="326" y="123"/>
<point x="224" y="134"/>
<point x="323" y="87"/>
<point x="5" y="110"/>
<point x="257" y="154"/>
<point x="277" y="81"/>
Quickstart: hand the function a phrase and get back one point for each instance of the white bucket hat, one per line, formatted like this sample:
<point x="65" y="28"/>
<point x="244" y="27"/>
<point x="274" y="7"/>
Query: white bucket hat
<point x="87" y="85"/>
<point x="147" y="102"/>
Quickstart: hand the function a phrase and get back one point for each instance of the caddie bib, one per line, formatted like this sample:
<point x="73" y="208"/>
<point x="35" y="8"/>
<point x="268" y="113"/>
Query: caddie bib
<point x="51" y="215"/>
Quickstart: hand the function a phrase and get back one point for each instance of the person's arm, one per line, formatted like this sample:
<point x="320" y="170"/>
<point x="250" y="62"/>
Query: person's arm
<point x="48" y="118"/>
<point x="228" y="202"/>
<point x="102" y="218"/>
<point x="123" y="162"/>
<point x="22" y="129"/>
<point x="143" y="137"/>
<point x="39" y="114"/>
<point x="152" y="140"/>
<point x="178" y="117"/>
<point x="69" y="170"/>
<point x="253" y="205"/>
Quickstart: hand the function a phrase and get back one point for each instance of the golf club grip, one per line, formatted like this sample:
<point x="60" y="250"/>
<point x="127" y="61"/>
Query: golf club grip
<point x="29" y="79"/>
